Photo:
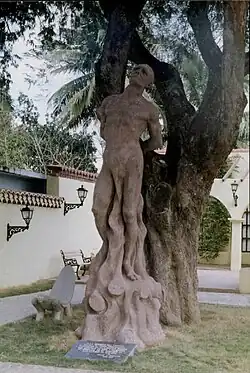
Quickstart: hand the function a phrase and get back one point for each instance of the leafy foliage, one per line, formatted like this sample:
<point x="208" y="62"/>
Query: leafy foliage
<point x="215" y="226"/>
<point x="215" y="230"/>
<point x="19" y="17"/>
<point x="12" y="143"/>
<point x="27" y="144"/>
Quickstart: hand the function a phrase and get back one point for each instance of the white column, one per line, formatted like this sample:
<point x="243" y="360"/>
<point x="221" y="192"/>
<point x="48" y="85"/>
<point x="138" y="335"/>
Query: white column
<point x="236" y="244"/>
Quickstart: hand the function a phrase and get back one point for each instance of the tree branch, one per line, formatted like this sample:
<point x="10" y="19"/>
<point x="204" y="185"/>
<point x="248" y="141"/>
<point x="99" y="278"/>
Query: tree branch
<point x="132" y="9"/>
<point x="215" y="127"/>
<point x="111" y="68"/>
<point x="167" y="80"/>
<point x="197" y="15"/>
<point x="179" y="111"/>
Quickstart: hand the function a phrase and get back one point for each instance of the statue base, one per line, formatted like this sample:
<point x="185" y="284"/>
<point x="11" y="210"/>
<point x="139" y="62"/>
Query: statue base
<point x="123" y="311"/>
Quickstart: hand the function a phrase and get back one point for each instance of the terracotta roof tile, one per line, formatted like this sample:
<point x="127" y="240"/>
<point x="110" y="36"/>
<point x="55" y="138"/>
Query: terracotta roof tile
<point x="71" y="173"/>
<point x="31" y="199"/>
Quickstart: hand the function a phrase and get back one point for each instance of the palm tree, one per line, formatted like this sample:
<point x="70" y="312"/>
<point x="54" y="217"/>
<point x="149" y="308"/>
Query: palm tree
<point x="73" y="102"/>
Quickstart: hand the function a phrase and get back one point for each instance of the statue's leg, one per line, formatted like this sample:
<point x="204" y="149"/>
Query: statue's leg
<point x="103" y="193"/>
<point x="131" y="199"/>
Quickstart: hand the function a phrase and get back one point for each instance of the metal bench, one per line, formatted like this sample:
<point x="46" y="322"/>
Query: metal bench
<point x="70" y="258"/>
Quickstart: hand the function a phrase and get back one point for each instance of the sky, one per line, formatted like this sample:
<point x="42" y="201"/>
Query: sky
<point x="40" y="94"/>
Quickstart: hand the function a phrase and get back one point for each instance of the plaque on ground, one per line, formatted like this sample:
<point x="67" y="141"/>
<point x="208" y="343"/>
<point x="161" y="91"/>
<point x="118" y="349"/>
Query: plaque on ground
<point x="90" y="350"/>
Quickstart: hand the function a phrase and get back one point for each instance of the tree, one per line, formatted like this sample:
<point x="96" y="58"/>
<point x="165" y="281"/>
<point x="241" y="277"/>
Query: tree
<point x="198" y="141"/>
<point x="79" y="48"/>
<point x="25" y="143"/>
<point x="177" y="185"/>
<point x="12" y="143"/>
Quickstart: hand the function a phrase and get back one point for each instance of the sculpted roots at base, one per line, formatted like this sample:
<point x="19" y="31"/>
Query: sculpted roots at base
<point x="122" y="300"/>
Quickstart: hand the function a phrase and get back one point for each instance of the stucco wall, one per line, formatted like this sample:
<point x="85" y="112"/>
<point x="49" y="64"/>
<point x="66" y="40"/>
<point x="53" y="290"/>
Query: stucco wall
<point x="35" y="254"/>
<point x="222" y="191"/>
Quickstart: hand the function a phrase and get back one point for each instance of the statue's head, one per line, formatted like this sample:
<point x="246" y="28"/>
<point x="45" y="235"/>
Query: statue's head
<point x="142" y="75"/>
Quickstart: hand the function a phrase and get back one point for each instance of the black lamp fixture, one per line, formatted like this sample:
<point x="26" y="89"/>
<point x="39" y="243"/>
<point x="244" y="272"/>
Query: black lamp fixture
<point x="234" y="187"/>
<point x="82" y="194"/>
<point x="27" y="214"/>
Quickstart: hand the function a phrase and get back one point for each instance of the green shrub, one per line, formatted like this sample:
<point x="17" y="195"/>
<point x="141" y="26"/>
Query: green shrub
<point x="215" y="230"/>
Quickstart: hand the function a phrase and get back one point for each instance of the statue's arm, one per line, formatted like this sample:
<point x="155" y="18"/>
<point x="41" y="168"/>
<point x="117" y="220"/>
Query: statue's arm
<point x="154" y="129"/>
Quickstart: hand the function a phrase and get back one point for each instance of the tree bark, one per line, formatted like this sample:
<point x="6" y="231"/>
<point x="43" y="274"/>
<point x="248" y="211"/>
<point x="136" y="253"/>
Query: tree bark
<point x="172" y="217"/>
<point x="177" y="184"/>
<point x="111" y="68"/>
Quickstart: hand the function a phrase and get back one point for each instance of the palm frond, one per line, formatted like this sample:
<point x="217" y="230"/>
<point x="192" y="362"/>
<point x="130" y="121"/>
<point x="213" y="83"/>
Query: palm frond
<point x="59" y="99"/>
<point x="77" y="104"/>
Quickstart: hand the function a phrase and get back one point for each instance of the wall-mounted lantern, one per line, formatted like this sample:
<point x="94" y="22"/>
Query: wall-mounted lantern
<point x="27" y="214"/>
<point x="234" y="187"/>
<point x="82" y="194"/>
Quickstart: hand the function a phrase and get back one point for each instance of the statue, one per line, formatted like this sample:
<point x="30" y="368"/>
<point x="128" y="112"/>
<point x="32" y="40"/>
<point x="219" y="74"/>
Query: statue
<point x="122" y="301"/>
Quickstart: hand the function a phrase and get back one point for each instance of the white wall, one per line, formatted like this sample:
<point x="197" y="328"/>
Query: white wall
<point x="80" y="231"/>
<point x="35" y="254"/>
<point x="222" y="189"/>
<point x="223" y="192"/>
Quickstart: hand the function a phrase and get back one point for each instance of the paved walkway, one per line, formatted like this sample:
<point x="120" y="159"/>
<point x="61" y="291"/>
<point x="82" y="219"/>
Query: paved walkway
<point x="20" y="368"/>
<point x="19" y="307"/>
<point x="218" y="279"/>
<point x="225" y="299"/>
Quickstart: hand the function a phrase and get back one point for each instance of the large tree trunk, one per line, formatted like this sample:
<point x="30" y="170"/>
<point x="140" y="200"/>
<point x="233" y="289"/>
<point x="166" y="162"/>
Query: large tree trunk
<point x="177" y="184"/>
<point x="172" y="216"/>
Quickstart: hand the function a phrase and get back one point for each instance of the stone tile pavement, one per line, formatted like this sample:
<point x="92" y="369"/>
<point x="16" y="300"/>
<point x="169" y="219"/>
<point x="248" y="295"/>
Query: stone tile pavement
<point x="19" y="307"/>
<point x="225" y="299"/>
<point x="218" y="279"/>
<point x="20" y="368"/>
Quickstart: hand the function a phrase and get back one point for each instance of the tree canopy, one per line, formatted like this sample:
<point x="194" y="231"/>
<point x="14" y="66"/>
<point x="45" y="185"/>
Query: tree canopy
<point x="71" y="37"/>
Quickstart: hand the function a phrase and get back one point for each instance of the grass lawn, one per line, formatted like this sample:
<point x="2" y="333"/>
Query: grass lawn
<point x="221" y="344"/>
<point x="35" y="287"/>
